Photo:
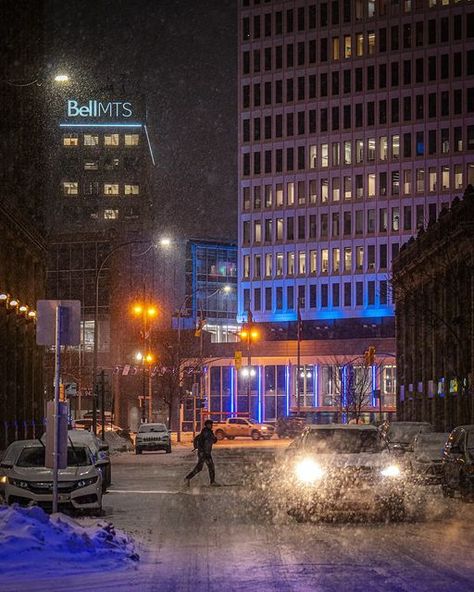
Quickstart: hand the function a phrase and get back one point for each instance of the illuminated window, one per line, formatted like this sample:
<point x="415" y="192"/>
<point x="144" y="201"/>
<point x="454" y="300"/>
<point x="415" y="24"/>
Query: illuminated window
<point x="246" y="274"/>
<point x="336" y="153"/>
<point x="432" y="178"/>
<point x="111" y="139"/>
<point x="324" y="190"/>
<point x="279" y="264"/>
<point x="324" y="260"/>
<point x="336" y="189"/>
<point x="335" y="48"/>
<point x="458" y="184"/>
<point x="371" y="184"/>
<point x="347" y="188"/>
<point x="360" y="44"/>
<point x="347" y="152"/>
<point x="396" y="146"/>
<point x="290" y="190"/>
<point x="312" y="191"/>
<point x="111" y="188"/>
<point x="302" y="263"/>
<point x="91" y="165"/>
<point x="371" y="42"/>
<point x="268" y="265"/>
<point x="131" y="139"/>
<point x="257" y="231"/>
<point x="279" y="195"/>
<point x="290" y="263"/>
<point x="383" y="148"/>
<point x="313" y="157"/>
<point x="110" y="214"/>
<point x="70" y="188"/>
<point x="359" y="151"/>
<point x="359" y="258"/>
<point x="347" y="46"/>
<point x="420" y="180"/>
<point x="313" y="261"/>
<point x="324" y="155"/>
<point x="279" y="229"/>
<point x="336" y="260"/>
<point x="407" y="182"/>
<point x="445" y="184"/>
<point x="132" y="189"/>
<point x="91" y="140"/>
<point x="70" y="140"/>
<point x="347" y="259"/>
<point x="111" y="164"/>
<point x="370" y="8"/>
<point x="371" y="149"/>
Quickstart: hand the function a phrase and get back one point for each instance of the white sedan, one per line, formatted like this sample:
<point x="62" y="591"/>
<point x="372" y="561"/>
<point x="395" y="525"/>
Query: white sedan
<point x="25" y="480"/>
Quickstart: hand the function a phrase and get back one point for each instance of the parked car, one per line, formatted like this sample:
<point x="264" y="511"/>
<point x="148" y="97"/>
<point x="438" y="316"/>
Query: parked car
<point x="238" y="427"/>
<point x="153" y="436"/>
<point x="458" y="463"/>
<point x="400" y="434"/>
<point x="336" y="468"/>
<point x="426" y="460"/>
<point x="25" y="480"/>
<point x="290" y="427"/>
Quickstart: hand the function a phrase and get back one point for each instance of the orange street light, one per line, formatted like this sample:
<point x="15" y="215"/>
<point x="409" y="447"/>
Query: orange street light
<point x="244" y="334"/>
<point x="137" y="309"/>
<point x="149" y="358"/>
<point x="152" y="311"/>
<point x="254" y="334"/>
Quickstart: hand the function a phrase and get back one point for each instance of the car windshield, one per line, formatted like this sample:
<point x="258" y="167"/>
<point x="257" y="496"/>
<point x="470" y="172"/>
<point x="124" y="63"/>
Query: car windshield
<point x="34" y="456"/>
<point x="152" y="427"/>
<point x="344" y="441"/>
<point x="430" y="445"/>
<point x="404" y="432"/>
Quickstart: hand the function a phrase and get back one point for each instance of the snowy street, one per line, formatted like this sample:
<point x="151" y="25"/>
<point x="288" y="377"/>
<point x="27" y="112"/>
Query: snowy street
<point x="216" y="539"/>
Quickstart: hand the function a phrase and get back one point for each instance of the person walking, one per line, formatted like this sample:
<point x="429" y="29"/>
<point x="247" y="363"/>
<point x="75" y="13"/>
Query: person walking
<point x="204" y="442"/>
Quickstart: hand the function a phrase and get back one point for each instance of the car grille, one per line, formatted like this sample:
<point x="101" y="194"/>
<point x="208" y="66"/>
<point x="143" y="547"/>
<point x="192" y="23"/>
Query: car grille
<point x="47" y="487"/>
<point x="351" y="475"/>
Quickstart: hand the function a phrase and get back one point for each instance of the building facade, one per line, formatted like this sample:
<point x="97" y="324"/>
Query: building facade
<point x="211" y="289"/>
<point x="434" y="290"/>
<point x="356" y="126"/>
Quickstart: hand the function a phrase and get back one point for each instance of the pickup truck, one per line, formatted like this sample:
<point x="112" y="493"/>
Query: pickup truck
<point x="240" y="427"/>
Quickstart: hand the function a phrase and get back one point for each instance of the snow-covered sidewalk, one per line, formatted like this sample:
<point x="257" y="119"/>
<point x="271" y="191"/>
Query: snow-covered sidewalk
<point x="35" y="543"/>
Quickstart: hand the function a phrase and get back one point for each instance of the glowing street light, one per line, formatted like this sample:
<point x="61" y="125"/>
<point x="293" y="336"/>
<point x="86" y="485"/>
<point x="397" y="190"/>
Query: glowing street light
<point x="61" y="78"/>
<point x="165" y="242"/>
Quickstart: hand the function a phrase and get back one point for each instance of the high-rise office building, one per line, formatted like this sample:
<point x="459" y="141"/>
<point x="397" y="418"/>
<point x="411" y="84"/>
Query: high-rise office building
<point x="356" y="126"/>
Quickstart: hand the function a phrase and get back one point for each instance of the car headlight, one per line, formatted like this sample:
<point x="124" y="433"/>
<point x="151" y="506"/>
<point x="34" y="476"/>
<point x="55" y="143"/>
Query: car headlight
<point x="19" y="483"/>
<point x="391" y="471"/>
<point x="264" y="428"/>
<point x="86" y="482"/>
<point x="308" y="471"/>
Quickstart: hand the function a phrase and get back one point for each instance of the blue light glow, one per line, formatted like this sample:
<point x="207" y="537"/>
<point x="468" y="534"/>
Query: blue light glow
<point x="344" y="385"/>
<point x="287" y="389"/>
<point x="133" y="125"/>
<point x="374" y="385"/>
<point x="315" y="385"/>
<point x="232" y="389"/>
<point x="260" y="404"/>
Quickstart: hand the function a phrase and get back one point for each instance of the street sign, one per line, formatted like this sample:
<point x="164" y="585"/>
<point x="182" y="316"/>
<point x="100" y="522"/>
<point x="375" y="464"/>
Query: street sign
<point x="70" y="322"/>
<point x="238" y="359"/>
<point x="70" y="389"/>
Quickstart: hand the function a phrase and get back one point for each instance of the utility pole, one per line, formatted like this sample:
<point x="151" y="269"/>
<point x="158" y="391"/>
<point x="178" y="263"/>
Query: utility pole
<point x="102" y="402"/>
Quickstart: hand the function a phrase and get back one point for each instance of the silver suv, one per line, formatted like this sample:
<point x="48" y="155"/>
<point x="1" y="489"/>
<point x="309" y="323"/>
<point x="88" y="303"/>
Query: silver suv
<point x="153" y="436"/>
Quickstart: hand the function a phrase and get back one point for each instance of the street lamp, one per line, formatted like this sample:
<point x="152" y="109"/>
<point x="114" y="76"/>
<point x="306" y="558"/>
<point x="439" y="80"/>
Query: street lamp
<point x="249" y="334"/>
<point x="96" y="316"/>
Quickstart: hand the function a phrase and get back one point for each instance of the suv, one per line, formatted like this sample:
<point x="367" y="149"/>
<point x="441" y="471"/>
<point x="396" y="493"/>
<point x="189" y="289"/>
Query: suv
<point x="153" y="436"/>
<point x="400" y="434"/>
<point x="458" y="463"/>
<point x="339" y="468"/>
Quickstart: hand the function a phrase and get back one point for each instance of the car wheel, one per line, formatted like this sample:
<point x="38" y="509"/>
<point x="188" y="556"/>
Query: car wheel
<point x="255" y="435"/>
<point x="220" y="435"/>
<point x="168" y="450"/>
<point x="230" y="437"/>
<point x="138" y="450"/>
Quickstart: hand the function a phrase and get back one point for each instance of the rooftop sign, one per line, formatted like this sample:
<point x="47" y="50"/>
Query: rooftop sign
<point x="99" y="109"/>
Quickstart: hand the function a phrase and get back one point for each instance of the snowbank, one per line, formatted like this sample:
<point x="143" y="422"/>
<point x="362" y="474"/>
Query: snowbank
<point x="33" y="541"/>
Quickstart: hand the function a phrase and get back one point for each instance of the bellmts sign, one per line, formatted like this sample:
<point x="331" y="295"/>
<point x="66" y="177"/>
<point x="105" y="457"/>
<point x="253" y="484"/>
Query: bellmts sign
<point x="110" y="109"/>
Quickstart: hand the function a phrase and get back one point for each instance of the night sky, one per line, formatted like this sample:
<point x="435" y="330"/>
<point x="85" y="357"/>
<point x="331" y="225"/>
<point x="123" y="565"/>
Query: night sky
<point x="182" y="55"/>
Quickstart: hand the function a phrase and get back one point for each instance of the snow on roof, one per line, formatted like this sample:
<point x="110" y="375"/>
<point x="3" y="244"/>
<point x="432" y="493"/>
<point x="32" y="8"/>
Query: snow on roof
<point x="342" y="426"/>
<point x="32" y="540"/>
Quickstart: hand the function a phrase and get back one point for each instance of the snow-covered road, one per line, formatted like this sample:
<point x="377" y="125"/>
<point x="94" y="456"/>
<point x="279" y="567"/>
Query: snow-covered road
<point x="207" y="539"/>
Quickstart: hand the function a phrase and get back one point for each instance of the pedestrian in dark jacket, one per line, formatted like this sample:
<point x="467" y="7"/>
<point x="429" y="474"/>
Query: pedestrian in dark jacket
<point x="203" y="442"/>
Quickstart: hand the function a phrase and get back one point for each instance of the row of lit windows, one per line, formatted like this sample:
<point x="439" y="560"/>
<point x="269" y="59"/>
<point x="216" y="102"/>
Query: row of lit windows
<point x="75" y="215"/>
<point x="329" y="13"/>
<point x="319" y="296"/>
<point x="348" y="46"/>
<point x="72" y="188"/>
<point x="369" y="185"/>
<point x="72" y="139"/>
<point x="347" y="260"/>
<point x="320" y="159"/>
<point x="338" y="224"/>
<point x="306" y="88"/>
